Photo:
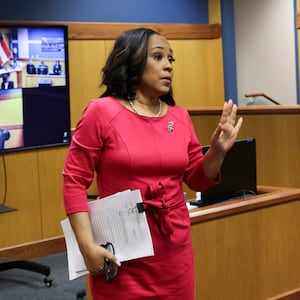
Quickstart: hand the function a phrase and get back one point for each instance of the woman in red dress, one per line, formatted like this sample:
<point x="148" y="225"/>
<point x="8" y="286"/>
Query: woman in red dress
<point x="135" y="137"/>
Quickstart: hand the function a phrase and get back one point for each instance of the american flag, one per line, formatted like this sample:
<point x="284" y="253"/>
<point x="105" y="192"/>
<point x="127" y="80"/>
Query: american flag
<point x="5" y="52"/>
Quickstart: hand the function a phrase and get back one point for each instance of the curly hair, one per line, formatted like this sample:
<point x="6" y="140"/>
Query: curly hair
<point x="126" y="63"/>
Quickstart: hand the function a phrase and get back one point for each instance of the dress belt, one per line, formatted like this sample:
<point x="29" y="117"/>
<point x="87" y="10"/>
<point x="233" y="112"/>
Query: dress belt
<point x="155" y="205"/>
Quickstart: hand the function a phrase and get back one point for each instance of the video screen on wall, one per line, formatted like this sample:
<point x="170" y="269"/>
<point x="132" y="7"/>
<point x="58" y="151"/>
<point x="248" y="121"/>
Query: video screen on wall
<point x="34" y="94"/>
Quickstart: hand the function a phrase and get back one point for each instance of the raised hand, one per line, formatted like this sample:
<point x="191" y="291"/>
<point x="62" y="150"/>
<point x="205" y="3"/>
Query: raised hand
<point x="227" y="130"/>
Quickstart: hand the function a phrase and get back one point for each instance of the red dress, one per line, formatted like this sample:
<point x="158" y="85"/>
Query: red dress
<point x="155" y="155"/>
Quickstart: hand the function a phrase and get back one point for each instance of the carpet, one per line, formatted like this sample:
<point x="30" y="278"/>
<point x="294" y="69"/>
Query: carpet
<point x="16" y="284"/>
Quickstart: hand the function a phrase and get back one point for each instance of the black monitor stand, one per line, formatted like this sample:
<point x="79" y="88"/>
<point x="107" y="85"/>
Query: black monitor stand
<point x="5" y="209"/>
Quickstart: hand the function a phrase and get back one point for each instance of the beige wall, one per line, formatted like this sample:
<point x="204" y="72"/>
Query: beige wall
<point x="264" y="35"/>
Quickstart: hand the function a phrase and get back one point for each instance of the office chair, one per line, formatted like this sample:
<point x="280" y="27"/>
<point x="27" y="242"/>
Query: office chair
<point x="7" y="264"/>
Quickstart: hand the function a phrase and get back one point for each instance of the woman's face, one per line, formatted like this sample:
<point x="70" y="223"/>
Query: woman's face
<point x="157" y="77"/>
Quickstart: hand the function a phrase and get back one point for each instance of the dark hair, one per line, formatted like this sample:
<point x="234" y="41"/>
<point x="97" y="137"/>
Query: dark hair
<point x="126" y="63"/>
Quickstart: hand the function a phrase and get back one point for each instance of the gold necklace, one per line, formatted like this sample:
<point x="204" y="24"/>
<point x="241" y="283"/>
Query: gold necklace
<point x="136" y="111"/>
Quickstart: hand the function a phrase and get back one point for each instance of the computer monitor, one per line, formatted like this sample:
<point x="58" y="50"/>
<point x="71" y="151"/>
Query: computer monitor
<point x="34" y="93"/>
<point x="238" y="174"/>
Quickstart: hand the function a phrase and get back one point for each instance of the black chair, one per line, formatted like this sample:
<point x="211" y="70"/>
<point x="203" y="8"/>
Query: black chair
<point x="8" y="263"/>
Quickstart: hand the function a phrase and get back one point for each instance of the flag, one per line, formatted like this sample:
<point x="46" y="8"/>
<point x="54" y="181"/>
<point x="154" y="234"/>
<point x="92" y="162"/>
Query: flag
<point x="5" y="52"/>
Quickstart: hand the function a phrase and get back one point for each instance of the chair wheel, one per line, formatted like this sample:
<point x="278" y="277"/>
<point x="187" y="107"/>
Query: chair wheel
<point x="48" y="282"/>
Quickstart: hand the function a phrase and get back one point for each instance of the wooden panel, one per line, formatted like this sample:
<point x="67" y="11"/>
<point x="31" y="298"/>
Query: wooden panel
<point x="277" y="144"/>
<point x="23" y="193"/>
<point x="87" y="59"/>
<point x="96" y="31"/>
<point x="198" y="78"/>
<point x="252" y="255"/>
<point x="108" y="31"/>
<point x="248" y="110"/>
<point x="51" y="162"/>
<point x="198" y="73"/>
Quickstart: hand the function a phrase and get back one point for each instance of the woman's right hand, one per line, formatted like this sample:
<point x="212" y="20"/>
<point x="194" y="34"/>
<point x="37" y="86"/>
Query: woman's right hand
<point x="94" y="259"/>
<point x="93" y="254"/>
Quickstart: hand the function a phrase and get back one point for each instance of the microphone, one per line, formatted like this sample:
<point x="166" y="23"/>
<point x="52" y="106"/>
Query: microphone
<point x="4" y="136"/>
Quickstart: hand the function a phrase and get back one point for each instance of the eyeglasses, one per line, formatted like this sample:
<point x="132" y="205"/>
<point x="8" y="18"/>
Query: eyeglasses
<point x="110" y="268"/>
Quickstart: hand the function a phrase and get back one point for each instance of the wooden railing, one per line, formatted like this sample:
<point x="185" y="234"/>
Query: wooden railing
<point x="263" y="95"/>
<point x="35" y="249"/>
<point x="110" y="31"/>
<point x="290" y="295"/>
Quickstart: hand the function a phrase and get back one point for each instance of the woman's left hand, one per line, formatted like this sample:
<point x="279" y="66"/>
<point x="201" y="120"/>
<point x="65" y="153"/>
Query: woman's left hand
<point x="227" y="130"/>
<point x="222" y="140"/>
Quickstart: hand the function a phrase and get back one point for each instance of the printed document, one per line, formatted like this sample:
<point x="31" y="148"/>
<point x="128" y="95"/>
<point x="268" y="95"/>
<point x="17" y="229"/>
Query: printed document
<point x="114" y="219"/>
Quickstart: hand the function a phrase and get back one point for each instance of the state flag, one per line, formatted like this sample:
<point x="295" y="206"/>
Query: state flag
<point x="5" y="52"/>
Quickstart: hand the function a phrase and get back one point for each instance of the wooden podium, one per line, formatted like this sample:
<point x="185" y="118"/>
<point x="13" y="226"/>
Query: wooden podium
<point x="249" y="248"/>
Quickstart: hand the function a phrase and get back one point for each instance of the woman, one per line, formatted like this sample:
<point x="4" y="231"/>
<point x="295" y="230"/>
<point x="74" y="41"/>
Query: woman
<point x="135" y="137"/>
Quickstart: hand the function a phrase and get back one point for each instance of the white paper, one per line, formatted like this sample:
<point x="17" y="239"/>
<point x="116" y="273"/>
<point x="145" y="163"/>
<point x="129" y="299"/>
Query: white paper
<point x="114" y="219"/>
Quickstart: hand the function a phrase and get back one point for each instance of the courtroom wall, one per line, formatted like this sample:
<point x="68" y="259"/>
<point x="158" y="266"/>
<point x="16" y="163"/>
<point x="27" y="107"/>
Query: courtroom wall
<point x="34" y="180"/>
<point x="155" y="11"/>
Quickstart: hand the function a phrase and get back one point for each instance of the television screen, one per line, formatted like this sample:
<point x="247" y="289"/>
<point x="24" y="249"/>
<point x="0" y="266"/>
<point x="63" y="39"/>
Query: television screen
<point x="34" y="94"/>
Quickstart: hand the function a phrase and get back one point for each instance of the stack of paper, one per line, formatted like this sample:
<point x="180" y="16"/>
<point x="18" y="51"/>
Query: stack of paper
<point x="114" y="219"/>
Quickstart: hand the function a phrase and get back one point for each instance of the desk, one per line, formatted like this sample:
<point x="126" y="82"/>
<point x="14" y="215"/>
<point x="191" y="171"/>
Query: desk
<point x="248" y="249"/>
<point x="33" y="80"/>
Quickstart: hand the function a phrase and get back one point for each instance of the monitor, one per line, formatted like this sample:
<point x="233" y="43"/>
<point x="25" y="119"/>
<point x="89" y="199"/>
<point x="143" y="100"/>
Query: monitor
<point x="34" y="94"/>
<point x="238" y="174"/>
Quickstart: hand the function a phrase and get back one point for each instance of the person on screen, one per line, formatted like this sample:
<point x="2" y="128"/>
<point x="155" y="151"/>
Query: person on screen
<point x="135" y="137"/>
<point x="6" y="83"/>
<point x="42" y="68"/>
<point x="57" y="68"/>
<point x="30" y="68"/>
